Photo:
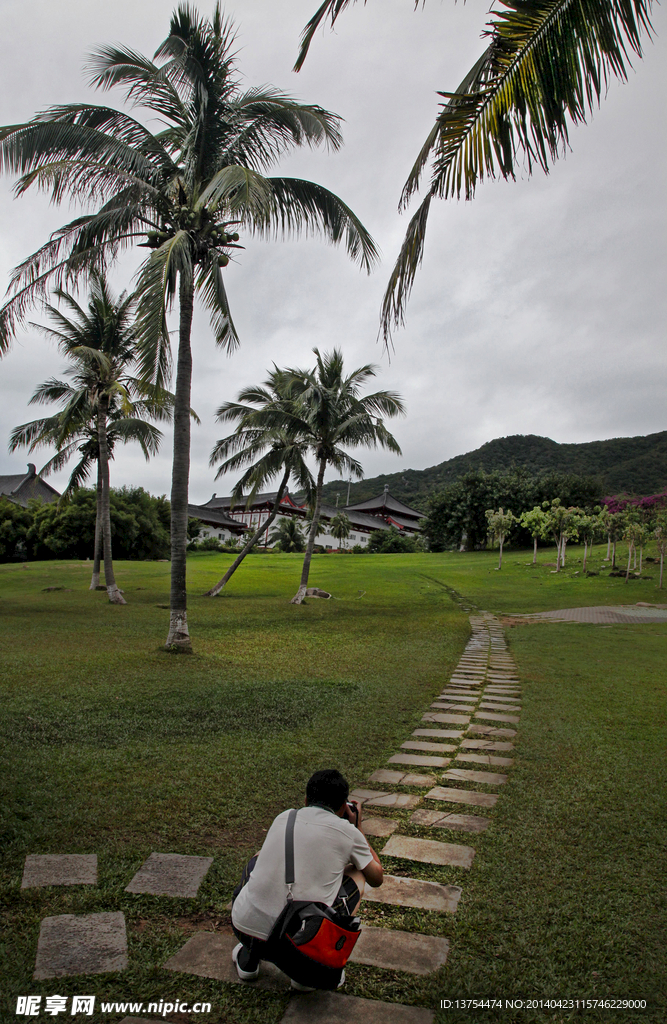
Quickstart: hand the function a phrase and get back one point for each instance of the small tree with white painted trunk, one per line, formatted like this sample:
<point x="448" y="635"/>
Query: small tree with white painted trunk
<point x="500" y="524"/>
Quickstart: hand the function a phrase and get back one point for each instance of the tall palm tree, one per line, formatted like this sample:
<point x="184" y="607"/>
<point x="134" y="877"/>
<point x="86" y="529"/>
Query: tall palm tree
<point x="186" y="191"/>
<point x="328" y="411"/>
<point x="262" y="443"/>
<point x="81" y="438"/>
<point x="547" y="64"/>
<point x="101" y="344"/>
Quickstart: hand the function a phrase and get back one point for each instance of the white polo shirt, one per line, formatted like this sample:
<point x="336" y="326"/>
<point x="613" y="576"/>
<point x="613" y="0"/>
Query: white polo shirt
<point x="324" y="845"/>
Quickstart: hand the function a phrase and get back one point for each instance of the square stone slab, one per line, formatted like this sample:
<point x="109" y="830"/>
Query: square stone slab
<point x="429" y="851"/>
<point x="423" y="761"/>
<point x="491" y="717"/>
<point x="490" y="730"/>
<point x="435" y="747"/>
<point x="464" y="775"/>
<point x="400" y="951"/>
<point x="81" y="944"/>
<point x="438" y="716"/>
<point x="402" y="778"/>
<point x="462" y="796"/>
<point x="42" y="869"/>
<point x="488" y="706"/>
<point x="362" y="795"/>
<point x="499" y="762"/>
<point x="449" y="706"/>
<point x="445" y="734"/>
<point x="209" y="955"/>
<point x="170" y="874"/>
<point x="459" y="822"/>
<point x="384" y="775"/>
<point x="485" y="745"/>
<point x="406" y="801"/>
<point x="378" y="826"/>
<point x="333" y="1008"/>
<point x="413" y="892"/>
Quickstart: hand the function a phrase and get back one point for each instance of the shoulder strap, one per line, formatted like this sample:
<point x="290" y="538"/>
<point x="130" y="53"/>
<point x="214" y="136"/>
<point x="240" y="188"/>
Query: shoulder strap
<point x="289" y="852"/>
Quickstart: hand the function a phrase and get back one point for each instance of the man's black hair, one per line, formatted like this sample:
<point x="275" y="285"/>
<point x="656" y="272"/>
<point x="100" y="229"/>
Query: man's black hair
<point x="327" y="787"/>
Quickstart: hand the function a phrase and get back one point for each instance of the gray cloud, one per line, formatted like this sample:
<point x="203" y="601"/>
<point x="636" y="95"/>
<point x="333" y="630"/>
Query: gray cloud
<point x="539" y="307"/>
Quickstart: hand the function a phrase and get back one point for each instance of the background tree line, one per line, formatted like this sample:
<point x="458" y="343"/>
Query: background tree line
<point x="457" y="515"/>
<point x="140" y="525"/>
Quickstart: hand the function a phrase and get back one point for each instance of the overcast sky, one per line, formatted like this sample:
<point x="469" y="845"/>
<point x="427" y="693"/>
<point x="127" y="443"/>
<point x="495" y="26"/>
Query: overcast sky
<point x="539" y="307"/>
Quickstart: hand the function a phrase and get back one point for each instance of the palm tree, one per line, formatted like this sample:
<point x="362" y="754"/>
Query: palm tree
<point x="263" y="446"/>
<point x="340" y="527"/>
<point x="546" y="67"/>
<point x="328" y="412"/>
<point x="186" y="191"/>
<point x="82" y="439"/>
<point x="288" y="536"/>
<point x="104" y="400"/>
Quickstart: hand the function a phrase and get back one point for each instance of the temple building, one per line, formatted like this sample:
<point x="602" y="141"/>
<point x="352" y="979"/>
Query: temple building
<point x="23" y="487"/>
<point x="380" y="513"/>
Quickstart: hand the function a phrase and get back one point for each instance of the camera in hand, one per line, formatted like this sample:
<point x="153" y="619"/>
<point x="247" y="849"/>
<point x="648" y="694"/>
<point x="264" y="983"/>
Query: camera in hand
<point x="355" y="813"/>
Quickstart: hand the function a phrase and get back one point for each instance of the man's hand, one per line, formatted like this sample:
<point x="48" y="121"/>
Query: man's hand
<point x="353" y="812"/>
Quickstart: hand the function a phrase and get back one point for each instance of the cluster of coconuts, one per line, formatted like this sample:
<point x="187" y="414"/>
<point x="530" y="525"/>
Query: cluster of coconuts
<point x="202" y="225"/>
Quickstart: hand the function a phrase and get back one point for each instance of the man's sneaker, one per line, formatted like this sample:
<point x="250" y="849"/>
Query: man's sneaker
<point x="243" y="975"/>
<point x="304" y="988"/>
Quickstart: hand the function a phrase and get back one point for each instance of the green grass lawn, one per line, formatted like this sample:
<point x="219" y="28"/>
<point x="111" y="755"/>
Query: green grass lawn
<point x="115" y="747"/>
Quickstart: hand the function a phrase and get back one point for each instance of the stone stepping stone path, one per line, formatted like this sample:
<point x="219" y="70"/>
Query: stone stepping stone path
<point x="413" y="892"/>
<point x="400" y="951"/>
<point x="449" y="706"/>
<point x="438" y="716"/>
<point x="209" y="955"/>
<point x="333" y="1008"/>
<point x="429" y="851"/>
<point x="380" y="827"/>
<point x="464" y="775"/>
<point x="371" y="798"/>
<point x="418" y="745"/>
<point x="450" y="734"/>
<point x="72" y="944"/>
<point x="500" y="762"/>
<point x="485" y="745"/>
<point x="385" y="776"/>
<point x="462" y="796"/>
<point x="497" y="718"/>
<point x="490" y="730"/>
<point x="170" y="874"/>
<point x="41" y="869"/>
<point x="458" y="822"/>
<point x="425" y="761"/>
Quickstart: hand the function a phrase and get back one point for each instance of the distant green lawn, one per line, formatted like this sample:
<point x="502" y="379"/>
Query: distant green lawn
<point x="115" y="747"/>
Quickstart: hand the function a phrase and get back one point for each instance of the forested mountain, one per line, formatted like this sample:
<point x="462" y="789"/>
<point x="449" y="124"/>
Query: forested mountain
<point x="636" y="465"/>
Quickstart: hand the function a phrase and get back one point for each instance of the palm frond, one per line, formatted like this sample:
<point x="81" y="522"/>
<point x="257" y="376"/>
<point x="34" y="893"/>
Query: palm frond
<point x="329" y="9"/>
<point x="156" y="285"/>
<point x="301" y="207"/>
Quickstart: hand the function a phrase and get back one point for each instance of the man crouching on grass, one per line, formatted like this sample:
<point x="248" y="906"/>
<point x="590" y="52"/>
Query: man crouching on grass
<point x="332" y="860"/>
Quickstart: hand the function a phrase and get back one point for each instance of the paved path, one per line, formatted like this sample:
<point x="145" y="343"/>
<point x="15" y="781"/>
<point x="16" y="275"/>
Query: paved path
<point x="600" y="615"/>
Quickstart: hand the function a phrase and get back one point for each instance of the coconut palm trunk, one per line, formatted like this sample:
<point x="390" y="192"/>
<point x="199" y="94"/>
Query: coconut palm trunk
<point x="305" y="572"/>
<point x="97" y="552"/>
<point x="114" y="593"/>
<point x="178" y="638"/>
<point x="214" y="591"/>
